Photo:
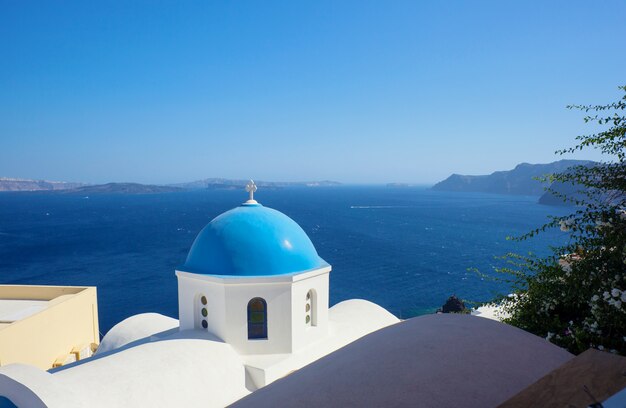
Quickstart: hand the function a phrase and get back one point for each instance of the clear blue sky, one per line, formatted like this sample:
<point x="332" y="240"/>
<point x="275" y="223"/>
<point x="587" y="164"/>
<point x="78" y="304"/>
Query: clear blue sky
<point x="354" y="91"/>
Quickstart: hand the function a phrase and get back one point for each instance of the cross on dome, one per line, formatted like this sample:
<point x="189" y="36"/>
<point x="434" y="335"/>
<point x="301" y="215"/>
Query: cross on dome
<point x="251" y="188"/>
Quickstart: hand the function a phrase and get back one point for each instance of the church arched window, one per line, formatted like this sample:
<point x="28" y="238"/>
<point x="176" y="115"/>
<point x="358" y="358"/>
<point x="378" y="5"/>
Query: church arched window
<point x="310" y="308"/>
<point x="257" y="319"/>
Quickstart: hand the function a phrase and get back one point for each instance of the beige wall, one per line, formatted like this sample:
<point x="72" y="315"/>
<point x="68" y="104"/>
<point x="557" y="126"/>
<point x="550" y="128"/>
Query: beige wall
<point x="71" y="319"/>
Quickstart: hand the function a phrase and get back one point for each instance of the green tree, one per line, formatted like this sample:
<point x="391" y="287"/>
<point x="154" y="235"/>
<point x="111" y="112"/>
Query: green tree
<point x="576" y="298"/>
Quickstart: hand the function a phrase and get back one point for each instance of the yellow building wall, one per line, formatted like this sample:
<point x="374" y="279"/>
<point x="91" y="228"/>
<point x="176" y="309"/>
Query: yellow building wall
<point x="70" y="320"/>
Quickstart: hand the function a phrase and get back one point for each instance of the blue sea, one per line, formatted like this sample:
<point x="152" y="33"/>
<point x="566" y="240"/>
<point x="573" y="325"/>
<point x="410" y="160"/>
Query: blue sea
<point x="406" y="249"/>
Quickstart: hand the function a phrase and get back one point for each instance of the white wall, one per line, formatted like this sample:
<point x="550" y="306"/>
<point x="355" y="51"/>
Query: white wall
<point x="302" y="333"/>
<point x="227" y="306"/>
<point x="190" y="290"/>
<point x="278" y="298"/>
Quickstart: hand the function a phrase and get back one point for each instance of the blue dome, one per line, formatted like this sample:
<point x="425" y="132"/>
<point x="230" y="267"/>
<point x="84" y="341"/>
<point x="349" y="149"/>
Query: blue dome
<point x="252" y="240"/>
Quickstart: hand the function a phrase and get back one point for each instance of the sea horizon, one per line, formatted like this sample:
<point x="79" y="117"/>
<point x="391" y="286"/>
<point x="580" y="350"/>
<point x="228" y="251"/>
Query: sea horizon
<point x="407" y="249"/>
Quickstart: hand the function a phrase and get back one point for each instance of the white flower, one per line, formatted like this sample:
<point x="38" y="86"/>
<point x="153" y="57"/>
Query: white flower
<point x="595" y="298"/>
<point x="623" y="297"/>
<point x="606" y="295"/>
<point x="615" y="292"/>
<point x="618" y="304"/>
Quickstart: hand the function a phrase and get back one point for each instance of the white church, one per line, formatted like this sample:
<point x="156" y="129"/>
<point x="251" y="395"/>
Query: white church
<point x="254" y="279"/>
<point x="253" y="300"/>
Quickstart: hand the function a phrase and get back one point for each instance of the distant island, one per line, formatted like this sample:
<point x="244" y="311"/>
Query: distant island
<point x="568" y="190"/>
<point x="230" y="184"/>
<point x="400" y="185"/>
<point x="519" y="181"/>
<point x="20" y="184"/>
<point x="24" y="185"/>
<point x="123" y="188"/>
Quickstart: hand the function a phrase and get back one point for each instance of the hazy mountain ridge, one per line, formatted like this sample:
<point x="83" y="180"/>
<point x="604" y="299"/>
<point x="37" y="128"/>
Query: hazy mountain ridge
<point x="20" y="184"/>
<point x="518" y="181"/>
<point x="24" y="185"/>
<point x="123" y="188"/>
<point x="222" y="183"/>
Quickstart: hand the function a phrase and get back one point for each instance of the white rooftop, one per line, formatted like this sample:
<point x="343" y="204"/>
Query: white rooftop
<point x="12" y="310"/>
<point x="145" y="361"/>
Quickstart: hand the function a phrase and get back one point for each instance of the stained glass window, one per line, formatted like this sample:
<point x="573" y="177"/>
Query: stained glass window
<point x="257" y="319"/>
